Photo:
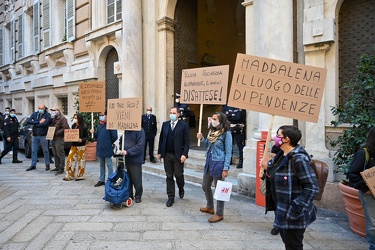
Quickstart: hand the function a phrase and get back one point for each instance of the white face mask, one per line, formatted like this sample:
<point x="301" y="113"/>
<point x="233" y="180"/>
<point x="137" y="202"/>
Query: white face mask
<point x="177" y="100"/>
<point x="148" y="112"/>
<point x="215" y="123"/>
<point x="75" y="120"/>
<point x="53" y="114"/>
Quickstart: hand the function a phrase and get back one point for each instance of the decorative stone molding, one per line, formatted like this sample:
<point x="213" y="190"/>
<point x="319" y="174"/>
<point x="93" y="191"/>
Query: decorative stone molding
<point x="319" y="31"/>
<point x="63" y="50"/>
<point x="35" y="66"/>
<point x="90" y="45"/>
<point x="247" y="3"/>
<point x="25" y="66"/>
<point x="318" y="47"/>
<point x="166" y="23"/>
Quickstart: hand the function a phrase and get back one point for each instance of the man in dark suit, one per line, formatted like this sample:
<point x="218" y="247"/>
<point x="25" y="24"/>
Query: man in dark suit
<point x="174" y="145"/>
<point x="150" y="128"/>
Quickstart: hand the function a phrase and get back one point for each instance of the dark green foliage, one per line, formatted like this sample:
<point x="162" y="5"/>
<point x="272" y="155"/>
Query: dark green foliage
<point x="358" y="111"/>
<point x="87" y="118"/>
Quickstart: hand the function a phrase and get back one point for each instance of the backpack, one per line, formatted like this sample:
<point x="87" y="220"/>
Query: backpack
<point x="321" y="170"/>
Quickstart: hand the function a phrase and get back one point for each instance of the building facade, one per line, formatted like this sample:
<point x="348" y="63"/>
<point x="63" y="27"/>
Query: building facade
<point x="139" y="47"/>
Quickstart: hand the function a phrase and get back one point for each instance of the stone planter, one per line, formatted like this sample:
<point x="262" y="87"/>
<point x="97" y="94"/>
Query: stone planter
<point x="91" y="151"/>
<point x="354" y="209"/>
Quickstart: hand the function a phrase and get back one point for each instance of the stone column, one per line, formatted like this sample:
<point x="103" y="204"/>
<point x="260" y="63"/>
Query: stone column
<point x="165" y="79"/>
<point x="269" y="33"/>
<point x="131" y="56"/>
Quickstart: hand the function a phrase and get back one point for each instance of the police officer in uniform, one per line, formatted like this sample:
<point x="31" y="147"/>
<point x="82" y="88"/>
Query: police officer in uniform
<point x="237" y="118"/>
<point x="150" y="127"/>
<point x="11" y="135"/>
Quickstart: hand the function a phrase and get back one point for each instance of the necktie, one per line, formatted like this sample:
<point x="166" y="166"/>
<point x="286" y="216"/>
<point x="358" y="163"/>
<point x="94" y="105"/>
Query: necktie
<point x="172" y="125"/>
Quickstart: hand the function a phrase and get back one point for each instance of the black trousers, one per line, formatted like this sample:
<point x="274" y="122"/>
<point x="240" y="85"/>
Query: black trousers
<point x="150" y="143"/>
<point x="292" y="238"/>
<point x="13" y="143"/>
<point x="135" y="174"/>
<point x="173" y="167"/>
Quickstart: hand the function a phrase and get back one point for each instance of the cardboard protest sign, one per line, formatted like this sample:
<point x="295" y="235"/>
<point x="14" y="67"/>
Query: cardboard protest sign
<point x="50" y="133"/>
<point x="124" y="113"/>
<point x="71" y="135"/>
<point x="369" y="177"/>
<point x="277" y="87"/>
<point x="208" y="85"/>
<point x="92" y="97"/>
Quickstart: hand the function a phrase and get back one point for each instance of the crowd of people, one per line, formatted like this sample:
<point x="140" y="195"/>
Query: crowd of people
<point x="291" y="183"/>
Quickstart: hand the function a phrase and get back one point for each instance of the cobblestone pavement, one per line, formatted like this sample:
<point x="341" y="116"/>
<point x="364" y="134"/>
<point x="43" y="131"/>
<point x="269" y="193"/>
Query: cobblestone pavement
<point x="39" y="210"/>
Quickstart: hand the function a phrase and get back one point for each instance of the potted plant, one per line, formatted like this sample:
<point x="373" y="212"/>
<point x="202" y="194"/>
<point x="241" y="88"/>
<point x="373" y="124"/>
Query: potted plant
<point x="357" y="114"/>
<point x="91" y="143"/>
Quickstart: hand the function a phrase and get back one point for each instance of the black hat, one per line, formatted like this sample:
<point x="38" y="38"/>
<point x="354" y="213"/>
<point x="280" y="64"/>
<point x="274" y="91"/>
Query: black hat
<point x="12" y="110"/>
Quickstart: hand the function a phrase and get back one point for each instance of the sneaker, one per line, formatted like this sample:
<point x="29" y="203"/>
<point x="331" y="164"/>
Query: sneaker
<point x="100" y="183"/>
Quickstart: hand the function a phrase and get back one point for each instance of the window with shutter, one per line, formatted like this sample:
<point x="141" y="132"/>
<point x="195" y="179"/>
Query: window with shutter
<point x="11" y="41"/>
<point x="20" y="36"/>
<point x="70" y="20"/>
<point x="1" y="47"/>
<point x="46" y="24"/>
<point x="36" y="27"/>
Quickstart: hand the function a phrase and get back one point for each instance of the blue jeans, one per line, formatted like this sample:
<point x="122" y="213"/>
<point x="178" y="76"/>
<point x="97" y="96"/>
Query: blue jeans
<point x="102" y="161"/>
<point x="39" y="139"/>
<point x="368" y="204"/>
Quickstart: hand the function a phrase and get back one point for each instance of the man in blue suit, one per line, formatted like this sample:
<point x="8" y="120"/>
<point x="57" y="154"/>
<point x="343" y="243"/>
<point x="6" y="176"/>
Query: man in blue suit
<point x="150" y="127"/>
<point x="173" y="147"/>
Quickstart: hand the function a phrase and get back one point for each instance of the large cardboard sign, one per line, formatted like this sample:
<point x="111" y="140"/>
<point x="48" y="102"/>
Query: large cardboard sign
<point x="92" y="97"/>
<point x="124" y="113"/>
<point x="71" y="135"/>
<point x="369" y="177"/>
<point x="277" y="87"/>
<point x="208" y="85"/>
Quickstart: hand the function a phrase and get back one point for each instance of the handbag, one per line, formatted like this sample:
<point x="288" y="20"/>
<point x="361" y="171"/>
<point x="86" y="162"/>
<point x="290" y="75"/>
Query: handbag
<point x="223" y="190"/>
<point x="262" y="188"/>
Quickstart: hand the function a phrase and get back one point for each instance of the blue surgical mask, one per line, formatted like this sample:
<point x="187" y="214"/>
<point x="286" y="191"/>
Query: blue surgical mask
<point x="12" y="115"/>
<point x="102" y="118"/>
<point x="173" y="117"/>
<point x="41" y="111"/>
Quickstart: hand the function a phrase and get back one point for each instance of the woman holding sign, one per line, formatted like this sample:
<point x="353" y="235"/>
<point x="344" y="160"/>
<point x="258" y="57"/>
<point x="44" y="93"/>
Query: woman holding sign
<point x="77" y="152"/>
<point x="365" y="159"/>
<point x="219" y="153"/>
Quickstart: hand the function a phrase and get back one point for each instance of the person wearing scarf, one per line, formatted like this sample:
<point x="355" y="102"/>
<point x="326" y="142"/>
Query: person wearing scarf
<point x="219" y="153"/>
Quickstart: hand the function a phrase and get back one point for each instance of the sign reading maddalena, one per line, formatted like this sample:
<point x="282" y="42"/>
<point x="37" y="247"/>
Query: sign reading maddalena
<point x="124" y="113"/>
<point x="208" y="85"/>
<point x="277" y="87"/>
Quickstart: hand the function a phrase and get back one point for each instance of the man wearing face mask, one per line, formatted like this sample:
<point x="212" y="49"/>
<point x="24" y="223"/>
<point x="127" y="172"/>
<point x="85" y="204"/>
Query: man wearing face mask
<point x="40" y="121"/>
<point x="104" y="152"/>
<point x="60" y="123"/>
<point x="6" y="115"/>
<point x="150" y="128"/>
<point x="12" y="136"/>
<point x="174" y="143"/>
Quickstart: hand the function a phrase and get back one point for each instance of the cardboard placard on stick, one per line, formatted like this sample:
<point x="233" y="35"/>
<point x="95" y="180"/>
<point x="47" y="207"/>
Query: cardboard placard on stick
<point x="277" y="87"/>
<point x="207" y="85"/>
<point x="71" y="135"/>
<point x="92" y="97"/>
<point x="50" y="133"/>
<point x="369" y="177"/>
<point x="124" y="114"/>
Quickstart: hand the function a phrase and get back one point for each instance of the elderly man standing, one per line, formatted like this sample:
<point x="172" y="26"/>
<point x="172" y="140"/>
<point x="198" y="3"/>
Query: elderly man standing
<point x="40" y="121"/>
<point x="60" y="123"/>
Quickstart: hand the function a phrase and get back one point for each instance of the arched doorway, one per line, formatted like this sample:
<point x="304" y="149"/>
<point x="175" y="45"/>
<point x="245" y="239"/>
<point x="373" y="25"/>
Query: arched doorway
<point x="112" y="82"/>
<point x="356" y="37"/>
<point x="207" y="33"/>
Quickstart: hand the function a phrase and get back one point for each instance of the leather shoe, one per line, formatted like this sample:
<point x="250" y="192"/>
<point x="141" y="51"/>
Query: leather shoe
<point x="207" y="210"/>
<point x="170" y="202"/>
<point x="30" y="168"/>
<point x="153" y="161"/>
<point x="181" y="193"/>
<point x="275" y="231"/>
<point x="138" y="200"/>
<point x="59" y="172"/>
<point x="215" y="218"/>
<point x="16" y="161"/>
<point x="47" y="168"/>
<point x="100" y="183"/>
<point x="55" y="169"/>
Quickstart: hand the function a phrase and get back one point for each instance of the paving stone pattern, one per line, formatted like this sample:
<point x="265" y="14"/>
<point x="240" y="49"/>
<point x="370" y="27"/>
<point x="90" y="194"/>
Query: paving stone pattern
<point x="39" y="210"/>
